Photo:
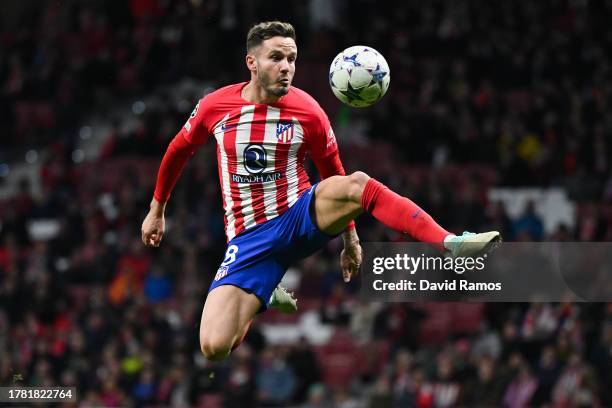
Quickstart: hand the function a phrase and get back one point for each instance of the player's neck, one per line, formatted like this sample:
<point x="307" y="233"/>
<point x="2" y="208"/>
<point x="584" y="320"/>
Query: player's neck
<point x="256" y="94"/>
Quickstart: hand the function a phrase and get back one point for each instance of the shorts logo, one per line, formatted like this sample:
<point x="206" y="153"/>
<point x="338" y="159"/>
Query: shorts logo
<point x="284" y="132"/>
<point x="255" y="158"/>
<point x="221" y="273"/>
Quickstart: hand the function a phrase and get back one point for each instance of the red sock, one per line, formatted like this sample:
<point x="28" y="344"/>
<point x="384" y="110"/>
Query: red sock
<point x="400" y="213"/>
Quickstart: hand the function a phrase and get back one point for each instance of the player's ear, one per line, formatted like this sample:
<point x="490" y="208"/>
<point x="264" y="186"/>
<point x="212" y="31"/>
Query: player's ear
<point x="251" y="63"/>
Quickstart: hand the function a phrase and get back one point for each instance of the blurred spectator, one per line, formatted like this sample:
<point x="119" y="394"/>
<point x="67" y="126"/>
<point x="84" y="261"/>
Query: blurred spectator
<point x="445" y="389"/>
<point x="124" y="286"/>
<point x="380" y="395"/>
<point x="343" y="399"/>
<point x="145" y="389"/>
<point x="157" y="286"/>
<point x="362" y="320"/>
<point x="539" y="322"/>
<point x="521" y="389"/>
<point x="529" y="225"/>
<point x="275" y="379"/>
<point x="399" y="323"/>
<point x="303" y="362"/>
<point x="602" y="360"/>
<point x="316" y="397"/>
<point x="547" y="373"/>
<point x="487" y="344"/>
<point x="111" y="395"/>
<point x="404" y="379"/>
<point x="337" y="307"/>
<point x="500" y="221"/>
<point x="575" y="385"/>
<point x="486" y="389"/>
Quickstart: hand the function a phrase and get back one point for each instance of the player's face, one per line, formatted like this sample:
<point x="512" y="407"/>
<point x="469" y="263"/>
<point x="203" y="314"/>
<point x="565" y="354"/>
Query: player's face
<point x="275" y="60"/>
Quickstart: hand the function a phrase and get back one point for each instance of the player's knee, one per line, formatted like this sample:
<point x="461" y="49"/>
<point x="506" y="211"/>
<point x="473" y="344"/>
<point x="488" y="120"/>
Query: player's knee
<point x="215" y="349"/>
<point x="357" y="182"/>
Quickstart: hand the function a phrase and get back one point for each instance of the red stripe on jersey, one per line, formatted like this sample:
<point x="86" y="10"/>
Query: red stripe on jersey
<point x="219" y="170"/>
<point x="258" y="130"/>
<point x="229" y="144"/>
<point x="303" y="181"/>
<point x="282" y="155"/>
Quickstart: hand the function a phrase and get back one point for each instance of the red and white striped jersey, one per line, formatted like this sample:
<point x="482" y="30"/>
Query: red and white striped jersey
<point x="260" y="150"/>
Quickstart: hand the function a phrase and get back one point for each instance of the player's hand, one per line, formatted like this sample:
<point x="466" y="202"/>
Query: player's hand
<point x="350" y="260"/>
<point x="153" y="228"/>
<point x="154" y="224"/>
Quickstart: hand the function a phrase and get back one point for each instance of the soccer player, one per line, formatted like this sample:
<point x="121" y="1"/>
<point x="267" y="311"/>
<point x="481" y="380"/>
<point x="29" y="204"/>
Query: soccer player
<point x="264" y="129"/>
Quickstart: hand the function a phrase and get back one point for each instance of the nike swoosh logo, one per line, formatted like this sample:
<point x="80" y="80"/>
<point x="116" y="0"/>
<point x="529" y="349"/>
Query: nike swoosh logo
<point x="225" y="127"/>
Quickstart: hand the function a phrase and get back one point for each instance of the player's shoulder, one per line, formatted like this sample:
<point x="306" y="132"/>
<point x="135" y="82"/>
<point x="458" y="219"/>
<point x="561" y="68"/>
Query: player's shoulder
<point x="223" y="93"/>
<point x="213" y="106"/>
<point x="304" y="98"/>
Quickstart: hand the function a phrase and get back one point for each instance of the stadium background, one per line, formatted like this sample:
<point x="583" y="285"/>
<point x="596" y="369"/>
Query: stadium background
<point x="496" y="114"/>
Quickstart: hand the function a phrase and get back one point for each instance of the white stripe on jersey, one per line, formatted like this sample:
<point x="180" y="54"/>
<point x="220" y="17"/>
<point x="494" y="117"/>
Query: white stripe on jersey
<point x="292" y="172"/>
<point x="225" y="182"/>
<point x="243" y="138"/>
<point x="270" y="142"/>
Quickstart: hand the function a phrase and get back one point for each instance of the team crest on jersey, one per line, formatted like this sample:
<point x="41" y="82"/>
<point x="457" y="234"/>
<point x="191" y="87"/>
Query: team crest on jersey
<point x="284" y="132"/>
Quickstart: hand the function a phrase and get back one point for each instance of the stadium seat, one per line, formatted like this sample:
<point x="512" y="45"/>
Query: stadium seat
<point x="210" y="401"/>
<point x="339" y="360"/>
<point x="466" y="317"/>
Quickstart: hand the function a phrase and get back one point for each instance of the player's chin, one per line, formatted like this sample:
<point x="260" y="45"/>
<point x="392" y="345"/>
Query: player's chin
<point x="281" y="89"/>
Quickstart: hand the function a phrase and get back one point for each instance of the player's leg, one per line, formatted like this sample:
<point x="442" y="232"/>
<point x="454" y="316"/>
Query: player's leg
<point x="226" y="317"/>
<point x="339" y="199"/>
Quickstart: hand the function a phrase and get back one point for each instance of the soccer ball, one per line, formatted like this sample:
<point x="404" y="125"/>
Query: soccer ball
<point x="359" y="76"/>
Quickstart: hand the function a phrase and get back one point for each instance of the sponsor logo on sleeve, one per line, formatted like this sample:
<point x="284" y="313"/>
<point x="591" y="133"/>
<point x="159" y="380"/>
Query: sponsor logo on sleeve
<point x="193" y="115"/>
<point x="331" y="138"/>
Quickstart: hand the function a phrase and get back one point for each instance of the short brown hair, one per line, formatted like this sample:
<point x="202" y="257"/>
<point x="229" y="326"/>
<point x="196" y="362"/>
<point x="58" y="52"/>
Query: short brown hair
<point x="268" y="29"/>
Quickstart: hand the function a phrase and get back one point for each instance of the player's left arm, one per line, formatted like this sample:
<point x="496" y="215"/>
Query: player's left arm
<point x="325" y="155"/>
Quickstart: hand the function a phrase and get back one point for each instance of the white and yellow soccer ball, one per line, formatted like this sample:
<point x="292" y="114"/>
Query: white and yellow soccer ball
<point x="359" y="76"/>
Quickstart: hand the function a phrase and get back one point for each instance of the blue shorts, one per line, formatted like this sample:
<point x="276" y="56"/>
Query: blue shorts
<point x="257" y="259"/>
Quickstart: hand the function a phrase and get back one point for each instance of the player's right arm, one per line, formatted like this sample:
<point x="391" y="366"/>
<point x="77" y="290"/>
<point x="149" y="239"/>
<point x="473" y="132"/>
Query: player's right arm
<point x="172" y="165"/>
<point x="324" y="152"/>
<point x="180" y="149"/>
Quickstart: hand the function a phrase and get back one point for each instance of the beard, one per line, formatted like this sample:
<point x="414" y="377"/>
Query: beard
<point x="272" y="87"/>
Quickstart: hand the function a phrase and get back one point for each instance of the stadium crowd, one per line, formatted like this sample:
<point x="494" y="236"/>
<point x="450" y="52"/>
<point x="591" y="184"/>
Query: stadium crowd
<point x="482" y="94"/>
